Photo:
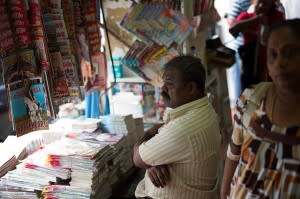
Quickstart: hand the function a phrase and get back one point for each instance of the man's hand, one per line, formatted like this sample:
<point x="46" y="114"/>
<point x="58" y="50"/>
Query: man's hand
<point x="262" y="19"/>
<point x="159" y="175"/>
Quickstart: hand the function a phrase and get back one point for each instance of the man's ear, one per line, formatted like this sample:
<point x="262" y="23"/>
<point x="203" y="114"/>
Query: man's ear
<point x="192" y="87"/>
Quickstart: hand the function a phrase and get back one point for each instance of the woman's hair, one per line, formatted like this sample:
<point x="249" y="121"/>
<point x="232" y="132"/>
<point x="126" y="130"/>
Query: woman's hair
<point x="291" y="24"/>
<point x="190" y="68"/>
<point x="274" y="5"/>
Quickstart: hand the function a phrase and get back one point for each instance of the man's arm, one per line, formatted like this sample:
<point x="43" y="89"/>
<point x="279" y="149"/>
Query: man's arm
<point x="159" y="175"/>
<point x="236" y="8"/>
<point x="245" y="25"/>
<point x="147" y="136"/>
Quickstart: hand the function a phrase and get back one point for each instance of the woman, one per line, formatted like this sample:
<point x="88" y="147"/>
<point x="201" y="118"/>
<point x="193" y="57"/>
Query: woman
<point x="263" y="158"/>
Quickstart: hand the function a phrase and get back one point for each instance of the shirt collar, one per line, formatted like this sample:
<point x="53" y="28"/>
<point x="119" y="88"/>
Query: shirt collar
<point x="179" y="111"/>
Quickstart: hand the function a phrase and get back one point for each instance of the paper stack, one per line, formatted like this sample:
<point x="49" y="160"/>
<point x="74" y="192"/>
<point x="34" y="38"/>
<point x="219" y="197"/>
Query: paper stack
<point x="14" y="191"/>
<point x="17" y="148"/>
<point x="8" y="159"/>
<point x="122" y="125"/>
<point x="87" y="159"/>
<point x="69" y="165"/>
<point x="118" y="142"/>
<point x="33" y="177"/>
<point x="13" y="194"/>
<point x="63" y="191"/>
<point x="75" y="125"/>
<point x="139" y="127"/>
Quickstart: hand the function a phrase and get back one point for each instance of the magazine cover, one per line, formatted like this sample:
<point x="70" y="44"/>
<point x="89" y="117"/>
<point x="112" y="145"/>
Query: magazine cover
<point x="71" y="77"/>
<point x="156" y="22"/>
<point x="60" y="87"/>
<point x="28" y="105"/>
<point x="148" y="61"/>
<point x="99" y="70"/>
<point x="13" y="66"/>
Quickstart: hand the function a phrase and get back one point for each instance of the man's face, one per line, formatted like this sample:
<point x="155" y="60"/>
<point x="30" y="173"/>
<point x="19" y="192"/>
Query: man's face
<point x="174" y="91"/>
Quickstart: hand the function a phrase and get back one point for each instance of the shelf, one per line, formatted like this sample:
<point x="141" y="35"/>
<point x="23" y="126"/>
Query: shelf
<point x="209" y="80"/>
<point x="130" y="80"/>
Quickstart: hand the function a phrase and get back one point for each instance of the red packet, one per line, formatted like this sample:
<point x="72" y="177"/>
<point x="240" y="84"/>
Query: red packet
<point x="20" y="22"/>
<point x="6" y="36"/>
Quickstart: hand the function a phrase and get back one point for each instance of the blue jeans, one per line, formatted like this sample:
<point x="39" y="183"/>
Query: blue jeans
<point x="234" y="75"/>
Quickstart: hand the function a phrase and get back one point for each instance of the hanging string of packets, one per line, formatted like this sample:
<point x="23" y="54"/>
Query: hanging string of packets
<point x="156" y="23"/>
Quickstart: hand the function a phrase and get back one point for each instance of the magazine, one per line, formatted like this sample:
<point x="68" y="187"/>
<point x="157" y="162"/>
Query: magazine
<point x="28" y="104"/>
<point x="60" y="88"/>
<point x="156" y="22"/>
<point x="148" y="61"/>
<point x="99" y="70"/>
<point x="13" y="67"/>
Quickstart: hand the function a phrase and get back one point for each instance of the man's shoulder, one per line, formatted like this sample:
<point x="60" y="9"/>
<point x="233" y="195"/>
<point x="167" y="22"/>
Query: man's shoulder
<point x="198" y="118"/>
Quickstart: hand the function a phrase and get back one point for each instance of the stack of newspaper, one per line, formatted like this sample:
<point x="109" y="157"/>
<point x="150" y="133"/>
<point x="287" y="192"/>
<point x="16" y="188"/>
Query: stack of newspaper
<point x="139" y="127"/>
<point x="75" y="125"/>
<point x="91" y="172"/>
<point x="118" y="142"/>
<point x="69" y="165"/>
<point x="63" y="191"/>
<point x="122" y="125"/>
<point x="23" y="146"/>
<point x="7" y="160"/>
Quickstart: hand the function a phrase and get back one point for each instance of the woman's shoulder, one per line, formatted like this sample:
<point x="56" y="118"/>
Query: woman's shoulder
<point x="254" y="95"/>
<point x="277" y="15"/>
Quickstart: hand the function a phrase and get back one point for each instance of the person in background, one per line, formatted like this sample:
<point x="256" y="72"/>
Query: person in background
<point x="253" y="24"/>
<point x="237" y="7"/>
<point x="263" y="158"/>
<point x="181" y="156"/>
<point x="234" y="72"/>
<point x="291" y="8"/>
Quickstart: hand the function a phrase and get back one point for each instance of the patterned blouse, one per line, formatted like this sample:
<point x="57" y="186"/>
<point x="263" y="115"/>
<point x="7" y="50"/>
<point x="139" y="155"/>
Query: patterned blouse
<point x="269" y="161"/>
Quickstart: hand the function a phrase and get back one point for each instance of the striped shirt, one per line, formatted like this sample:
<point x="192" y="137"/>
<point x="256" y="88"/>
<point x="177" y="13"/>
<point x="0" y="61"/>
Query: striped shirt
<point x="269" y="163"/>
<point x="238" y="6"/>
<point x="188" y="144"/>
